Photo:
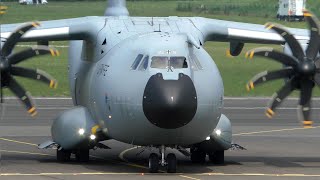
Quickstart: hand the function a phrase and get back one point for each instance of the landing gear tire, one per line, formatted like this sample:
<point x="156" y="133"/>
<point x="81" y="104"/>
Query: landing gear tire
<point x="63" y="155"/>
<point x="82" y="155"/>
<point x="198" y="156"/>
<point x="153" y="163"/>
<point x="172" y="163"/>
<point x="217" y="157"/>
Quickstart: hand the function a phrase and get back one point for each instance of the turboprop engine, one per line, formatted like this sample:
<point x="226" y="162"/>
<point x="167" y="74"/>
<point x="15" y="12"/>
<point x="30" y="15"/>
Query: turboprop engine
<point x="74" y="128"/>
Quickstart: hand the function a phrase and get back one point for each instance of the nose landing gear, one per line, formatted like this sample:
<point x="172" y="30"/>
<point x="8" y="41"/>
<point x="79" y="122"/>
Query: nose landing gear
<point x="155" y="162"/>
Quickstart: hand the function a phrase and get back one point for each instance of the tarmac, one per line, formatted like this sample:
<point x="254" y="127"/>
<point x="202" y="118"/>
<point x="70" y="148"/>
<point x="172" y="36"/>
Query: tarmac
<point x="277" y="148"/>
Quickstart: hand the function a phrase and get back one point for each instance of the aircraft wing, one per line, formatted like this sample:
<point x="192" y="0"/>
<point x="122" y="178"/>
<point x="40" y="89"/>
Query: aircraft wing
<point x="56" y="30"/>
<point x="229" y="31"/>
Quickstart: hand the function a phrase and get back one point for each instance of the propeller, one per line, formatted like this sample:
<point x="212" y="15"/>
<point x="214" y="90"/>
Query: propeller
<point x="9" y="68"/>
<point x="301" y="69"/>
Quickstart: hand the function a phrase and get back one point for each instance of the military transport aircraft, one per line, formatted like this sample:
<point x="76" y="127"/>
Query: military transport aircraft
<point x="148" y="81"/>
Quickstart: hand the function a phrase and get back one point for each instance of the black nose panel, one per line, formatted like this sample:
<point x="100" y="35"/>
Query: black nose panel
<point x="170" y="104"/>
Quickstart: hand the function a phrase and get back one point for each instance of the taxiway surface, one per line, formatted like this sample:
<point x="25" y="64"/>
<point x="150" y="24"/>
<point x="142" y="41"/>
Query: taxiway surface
<point x="276" y="149"/>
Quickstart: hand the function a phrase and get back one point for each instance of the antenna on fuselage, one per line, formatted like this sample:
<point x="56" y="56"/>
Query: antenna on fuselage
<point x="116" y="8"/>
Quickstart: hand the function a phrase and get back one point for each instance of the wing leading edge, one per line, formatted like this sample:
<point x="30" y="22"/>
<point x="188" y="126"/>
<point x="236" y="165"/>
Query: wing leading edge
<point x="84" y="28"/>
<point x="228" y="31"/>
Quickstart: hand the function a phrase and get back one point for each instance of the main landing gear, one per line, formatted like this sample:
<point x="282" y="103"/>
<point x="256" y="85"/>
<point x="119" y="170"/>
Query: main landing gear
<point x="199" y="156"/>
<point x="82" y="155"/>
<point x="155" y="162"/>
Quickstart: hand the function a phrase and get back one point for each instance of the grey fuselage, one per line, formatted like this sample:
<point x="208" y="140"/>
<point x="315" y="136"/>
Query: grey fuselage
<point x="102" y="79"/>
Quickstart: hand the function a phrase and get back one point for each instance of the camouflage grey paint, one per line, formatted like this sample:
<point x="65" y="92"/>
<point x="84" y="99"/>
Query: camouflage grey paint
<point x="109" y="94"/>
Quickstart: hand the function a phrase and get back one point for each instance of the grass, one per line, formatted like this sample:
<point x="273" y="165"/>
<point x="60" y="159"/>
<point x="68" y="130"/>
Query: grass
<point x="235" y="71"/>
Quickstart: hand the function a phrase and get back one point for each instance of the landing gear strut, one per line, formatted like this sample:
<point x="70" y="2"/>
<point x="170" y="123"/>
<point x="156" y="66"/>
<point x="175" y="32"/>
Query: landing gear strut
<point x="197" y="155"/>
<point x="63" y="155"/>
<point x="170" y="161"/>
<point x="217" y="157"/>
<point x="82" y="155"/>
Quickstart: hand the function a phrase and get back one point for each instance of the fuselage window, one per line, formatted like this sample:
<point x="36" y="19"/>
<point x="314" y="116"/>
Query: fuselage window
<point x="162" y="62"/>
<point x="144" y="64"/>
<point x="136" y="62"/>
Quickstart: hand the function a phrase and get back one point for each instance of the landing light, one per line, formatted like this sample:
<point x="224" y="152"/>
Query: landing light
<point x="81" y="131"/>
<point x="92" y="137"/>
<point x="208" y="138"/>
<point x="218" y="132"/>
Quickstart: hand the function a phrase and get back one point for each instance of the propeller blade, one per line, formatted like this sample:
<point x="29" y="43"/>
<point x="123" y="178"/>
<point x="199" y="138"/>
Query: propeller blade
<point x="279" y="96"/>
<point x="314" y="45"/>
<point x="35" y="75"/>
<point x="269" y="76"/>
<point x="305" y="102"/>
<point x="294" y="45"/>
<point x="24" y="96"/>
<point x="317" y="75"/>
<point x="32" y="52"/>
<point x="15" y="37"/>
<point x="274" y="55"/>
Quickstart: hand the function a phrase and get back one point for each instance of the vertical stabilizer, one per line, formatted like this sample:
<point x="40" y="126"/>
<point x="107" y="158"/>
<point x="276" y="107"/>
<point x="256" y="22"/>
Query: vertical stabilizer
<point x="116" y="8"/>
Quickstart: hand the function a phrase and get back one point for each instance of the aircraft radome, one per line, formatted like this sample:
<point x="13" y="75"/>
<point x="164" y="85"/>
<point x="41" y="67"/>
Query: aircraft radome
<point x="148" y="81"/>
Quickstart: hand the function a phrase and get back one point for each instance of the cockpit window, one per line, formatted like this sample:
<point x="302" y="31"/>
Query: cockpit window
<point x="144" y="65"/>
<point x="136" y="62"/>
<point x="160" y="62"/>
<point x="163" y="62"/>
<point x="178" y="62"/>
<point x="196" y="61"/>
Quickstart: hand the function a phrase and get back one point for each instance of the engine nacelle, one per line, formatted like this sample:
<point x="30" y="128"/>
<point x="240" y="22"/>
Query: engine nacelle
<point x="72" y="129"/>
<point x="220" y="138"/>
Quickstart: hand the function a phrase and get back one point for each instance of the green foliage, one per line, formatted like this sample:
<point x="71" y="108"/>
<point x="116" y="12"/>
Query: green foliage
<point x="258" y="8"/>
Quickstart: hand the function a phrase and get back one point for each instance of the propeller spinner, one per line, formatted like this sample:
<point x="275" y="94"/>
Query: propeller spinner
<point x="302" y="68"/>
<point x="9" y="68"/>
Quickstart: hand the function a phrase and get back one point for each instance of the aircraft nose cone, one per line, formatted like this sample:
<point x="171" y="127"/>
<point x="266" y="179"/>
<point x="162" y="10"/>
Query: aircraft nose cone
<point x="170" y="104"/>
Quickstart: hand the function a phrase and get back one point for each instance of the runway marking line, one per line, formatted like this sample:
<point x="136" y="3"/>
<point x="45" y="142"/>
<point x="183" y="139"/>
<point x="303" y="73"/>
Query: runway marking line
<point x="276" y="130"/>
<point x="188" y="177"/>
<point x="121" y="156"/>
<point x="23" y="152"/>
<point x="126" y="162"/>
<point x="19" y="142"/>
